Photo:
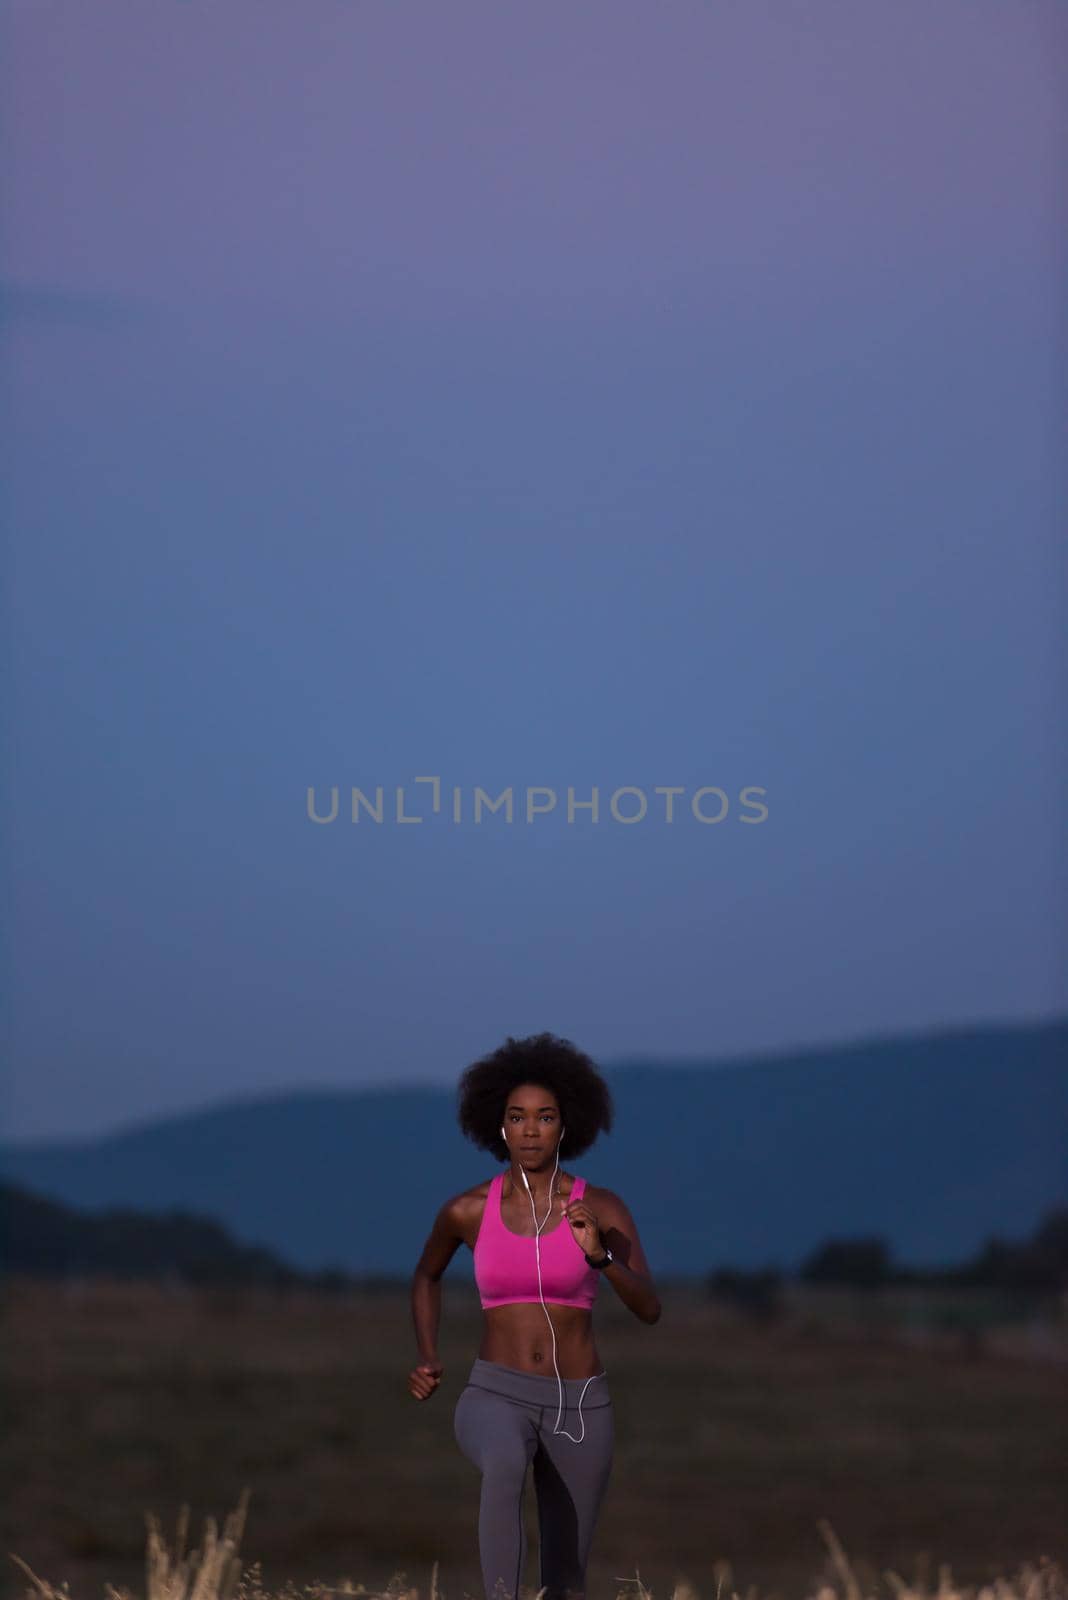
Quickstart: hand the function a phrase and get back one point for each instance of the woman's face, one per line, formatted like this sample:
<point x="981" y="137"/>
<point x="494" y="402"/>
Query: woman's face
<point x="532" y="1124"/>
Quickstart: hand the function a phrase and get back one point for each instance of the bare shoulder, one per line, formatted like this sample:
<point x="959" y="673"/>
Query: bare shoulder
<point x="457" y="1222"/>
<point x="468" y="1200"/>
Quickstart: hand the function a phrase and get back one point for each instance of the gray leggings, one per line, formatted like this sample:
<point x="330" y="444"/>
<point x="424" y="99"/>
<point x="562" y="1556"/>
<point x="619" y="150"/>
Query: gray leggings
<point x="503" y="1422"/>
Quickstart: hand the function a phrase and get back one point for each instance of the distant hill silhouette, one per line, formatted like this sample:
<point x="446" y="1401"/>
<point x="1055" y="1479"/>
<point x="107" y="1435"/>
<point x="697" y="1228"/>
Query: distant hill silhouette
<point x="932" y="1143"/>
<point x="45" y="1238"/>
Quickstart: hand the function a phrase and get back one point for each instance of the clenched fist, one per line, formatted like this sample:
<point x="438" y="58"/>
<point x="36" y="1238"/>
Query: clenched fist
<point x="424" y="1379"/>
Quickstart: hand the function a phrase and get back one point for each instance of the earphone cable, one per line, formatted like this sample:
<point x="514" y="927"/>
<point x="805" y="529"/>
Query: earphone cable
<point x="537" y="1255"/>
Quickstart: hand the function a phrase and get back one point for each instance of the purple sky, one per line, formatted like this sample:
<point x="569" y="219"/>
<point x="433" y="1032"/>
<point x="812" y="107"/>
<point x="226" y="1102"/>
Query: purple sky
<point x="594" y="395"/>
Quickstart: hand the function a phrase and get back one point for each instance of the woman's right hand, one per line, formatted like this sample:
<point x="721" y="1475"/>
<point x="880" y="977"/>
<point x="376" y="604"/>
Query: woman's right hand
<point x="424" y="1379"/>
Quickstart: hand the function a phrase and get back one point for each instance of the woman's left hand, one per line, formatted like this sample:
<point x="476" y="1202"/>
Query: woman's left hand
<point x="584" y="1227"/>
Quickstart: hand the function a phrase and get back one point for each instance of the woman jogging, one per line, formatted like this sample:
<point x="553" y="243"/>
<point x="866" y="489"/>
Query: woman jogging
<point x="542" y="1240"/>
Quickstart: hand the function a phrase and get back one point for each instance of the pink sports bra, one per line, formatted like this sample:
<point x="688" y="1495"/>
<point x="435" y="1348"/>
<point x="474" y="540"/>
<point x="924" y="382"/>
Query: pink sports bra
<point x="506" y="1266"/>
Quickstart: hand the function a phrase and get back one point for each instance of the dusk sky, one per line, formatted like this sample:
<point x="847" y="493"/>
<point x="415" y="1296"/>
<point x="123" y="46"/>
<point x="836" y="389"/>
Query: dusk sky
<point x="602" y="395"/>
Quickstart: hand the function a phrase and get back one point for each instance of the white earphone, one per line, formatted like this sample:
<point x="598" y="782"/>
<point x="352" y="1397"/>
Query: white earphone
<point x="537" y="1256"/>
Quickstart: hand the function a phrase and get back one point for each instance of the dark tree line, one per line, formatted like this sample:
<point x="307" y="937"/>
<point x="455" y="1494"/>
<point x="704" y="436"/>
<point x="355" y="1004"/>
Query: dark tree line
<point x="41" y="1237"/>
<point x="1039" y="1263"/>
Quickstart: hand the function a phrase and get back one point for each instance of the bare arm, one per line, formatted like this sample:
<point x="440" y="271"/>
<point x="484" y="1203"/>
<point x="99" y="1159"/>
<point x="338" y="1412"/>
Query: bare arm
<point x="444" y="1240"/>
<point x="629" y="1272"/>
<point x="426" y="1314"/>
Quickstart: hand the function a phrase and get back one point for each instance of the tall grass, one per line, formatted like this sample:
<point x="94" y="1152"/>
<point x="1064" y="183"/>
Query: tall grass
<point x="213" y="1571"/>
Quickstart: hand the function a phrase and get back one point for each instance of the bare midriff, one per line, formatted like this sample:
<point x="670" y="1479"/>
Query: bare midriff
<point x="518" y="1335"/>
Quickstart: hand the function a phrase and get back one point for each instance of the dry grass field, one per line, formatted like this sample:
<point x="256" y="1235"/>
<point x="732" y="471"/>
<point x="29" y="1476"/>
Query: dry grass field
<point x="737" y="1444"/>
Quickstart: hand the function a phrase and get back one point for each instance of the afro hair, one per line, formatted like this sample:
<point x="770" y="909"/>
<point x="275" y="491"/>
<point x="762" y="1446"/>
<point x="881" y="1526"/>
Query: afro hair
<point x="583" y="1096"/>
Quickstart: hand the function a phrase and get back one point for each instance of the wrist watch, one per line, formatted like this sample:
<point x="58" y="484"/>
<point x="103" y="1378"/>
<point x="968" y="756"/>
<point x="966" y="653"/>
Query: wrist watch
<point x="605" y="1260"/>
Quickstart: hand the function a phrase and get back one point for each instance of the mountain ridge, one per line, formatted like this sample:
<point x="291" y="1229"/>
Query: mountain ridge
<point x="932" y="1139"/>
